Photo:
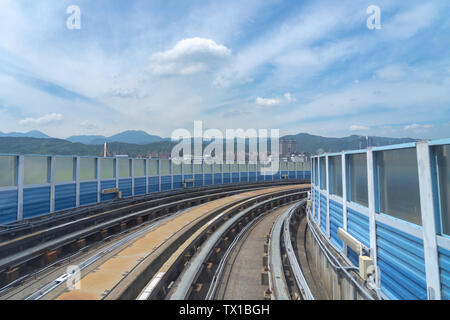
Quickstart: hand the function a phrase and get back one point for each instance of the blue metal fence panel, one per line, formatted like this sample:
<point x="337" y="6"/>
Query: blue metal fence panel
<point x="400" y="257"/>
<point x="88" y="193"/>
<point x="358" y="226"/>
<point x="235" y="177"/>
<point x="307" y="175"/>
<point x="336" y="222"/>
<point x="153" y="184"/>
<point x="444" y="266"/>
<point x="177" y="181"/>
<point x="189" y="176"/>
<point x="36" y="201"/>
<point x="291" y="174"/>
<point x="65" y="196"/>
<point x="277" y="176"/>
<point x="208" y="179"/>
<point x="244" y="176"/>
<point x="126" y="187"/>
<point x="259" y="176"/>
<point x="323" y="213"/>
<point x="166" y="183"/>
<point x="108" y="184"/>
<point x="252" y="176"/>
<point x="226" y="177"/>
<point x="217" y="178"/>
<point x="198" y="180"/>
<point x="8" y="206"/>
<point x="139" y="186"/>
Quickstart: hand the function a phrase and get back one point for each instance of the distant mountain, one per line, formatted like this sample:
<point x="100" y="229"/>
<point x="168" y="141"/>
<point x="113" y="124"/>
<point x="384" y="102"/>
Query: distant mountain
<point x="134" y="136"/>
<point x="305" y="143"/>
<point x="87" y="139"/>
<point x="29" y="134"/>
<point x="315" y="144"/>
<point x="130" y="136"/>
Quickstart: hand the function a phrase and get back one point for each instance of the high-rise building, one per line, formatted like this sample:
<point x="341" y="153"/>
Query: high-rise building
<point x="287" y="147"/>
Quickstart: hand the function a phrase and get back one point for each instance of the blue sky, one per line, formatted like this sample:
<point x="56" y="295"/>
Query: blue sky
<point x="300" y="66"/>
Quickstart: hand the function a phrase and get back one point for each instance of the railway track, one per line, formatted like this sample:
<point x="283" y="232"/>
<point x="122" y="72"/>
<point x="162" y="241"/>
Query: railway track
<point x="122" y="268"/>
<point x="36" y="244"/>
<point x="203" y="274"/>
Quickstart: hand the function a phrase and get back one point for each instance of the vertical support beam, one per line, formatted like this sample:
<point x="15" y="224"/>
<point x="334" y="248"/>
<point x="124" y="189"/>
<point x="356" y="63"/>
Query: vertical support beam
<point x="203" y="172"/>
<point x="327" y="183"/>
<point x="428" y="221"/>
<point x="159" y="174"/>
<point x="296" y="170"/>
<point x="132" y="177"/>
<point x="99" y="179"/>
<point x="344" y="197"/>
<point x="146" y="175"/>
<point x="372" y="218"/>
<point x="221" y="169"/>
<point x="319" y="179"/>
<point x="171" y="173"/>
<point x="303" y="170"/>
<point x="77" y="180"/>
<point x="52" y="183"/>
<point x="20" y="177"/>
<point x="116" y="173"/>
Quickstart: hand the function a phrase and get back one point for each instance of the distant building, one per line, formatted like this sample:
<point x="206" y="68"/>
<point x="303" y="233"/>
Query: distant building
<point x="287" y="147"/>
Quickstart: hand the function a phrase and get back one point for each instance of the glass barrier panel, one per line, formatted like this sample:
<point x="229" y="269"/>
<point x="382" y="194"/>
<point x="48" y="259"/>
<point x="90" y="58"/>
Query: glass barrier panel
<point x="291" y="166"/>
<point x="36" y="170"/>
<point x="107" y="168"/>
<point x="139" y="168"/>
<point x="64" y="169"/>
<point x="235" y="167"/>
<point x="252" y="167"/>
<point x="165" y="167"/>
<point x="124" y="168"/>
<point x="283" y="165"/>
<point x="153" y="167"/>
<point x="187" y="168"/>
<point x="217" y="168"/>
<point x="323" y="176"/>
<point x="243" y="168"/>
<point x="357" y="179"/>
<point x="207" y="168"/>
<point x="88" y="169"/>
<point x="443" y="169"/>
<point x="399" y="184"/>
<point x="335" y="175"/>
<point x="8" y="171"/>
<point x="176" y="168"/>
<point x="197" y="168"/>
<point x="226" y="167"/>
<point x="306" y="165"/>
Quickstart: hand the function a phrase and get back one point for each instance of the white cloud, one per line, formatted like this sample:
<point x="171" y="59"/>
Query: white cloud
<point x="358" y="128"/>
<point x="416" y="126"/>
<point x="189" y="56"/>
<point x="275" y="102"/>
<point x="44" y="120"/>
<point x="391" y="73"/>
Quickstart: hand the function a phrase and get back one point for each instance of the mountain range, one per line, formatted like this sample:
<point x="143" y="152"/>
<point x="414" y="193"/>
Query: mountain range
<point x="140" y="143"/>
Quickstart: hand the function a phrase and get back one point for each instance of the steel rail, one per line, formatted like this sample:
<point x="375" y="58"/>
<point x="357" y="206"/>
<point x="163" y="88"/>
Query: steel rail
<point x="191" y="272"/>
<point x="293" y="262"/>
<point x="23" y="256"/>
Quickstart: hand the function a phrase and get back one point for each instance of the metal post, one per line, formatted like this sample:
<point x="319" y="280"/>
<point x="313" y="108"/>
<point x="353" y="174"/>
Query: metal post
<point x="99" y="179"/>
<point x="344" y="198"/>
<point x="146" y="175"/>
<point x="428" y="221"/>
<point x="327" y="183"/>
<point x="20" y="177"/>
<point x="116" y="169"/>
<point x="372" y="218"/>
<point x="159" y="174"/>
<point x="52" y="183"/>
<point x="77" y="181"/>
<point x="132" y="177"/>
<point x="171" y="173"/>
<point x="319" y="178"/>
